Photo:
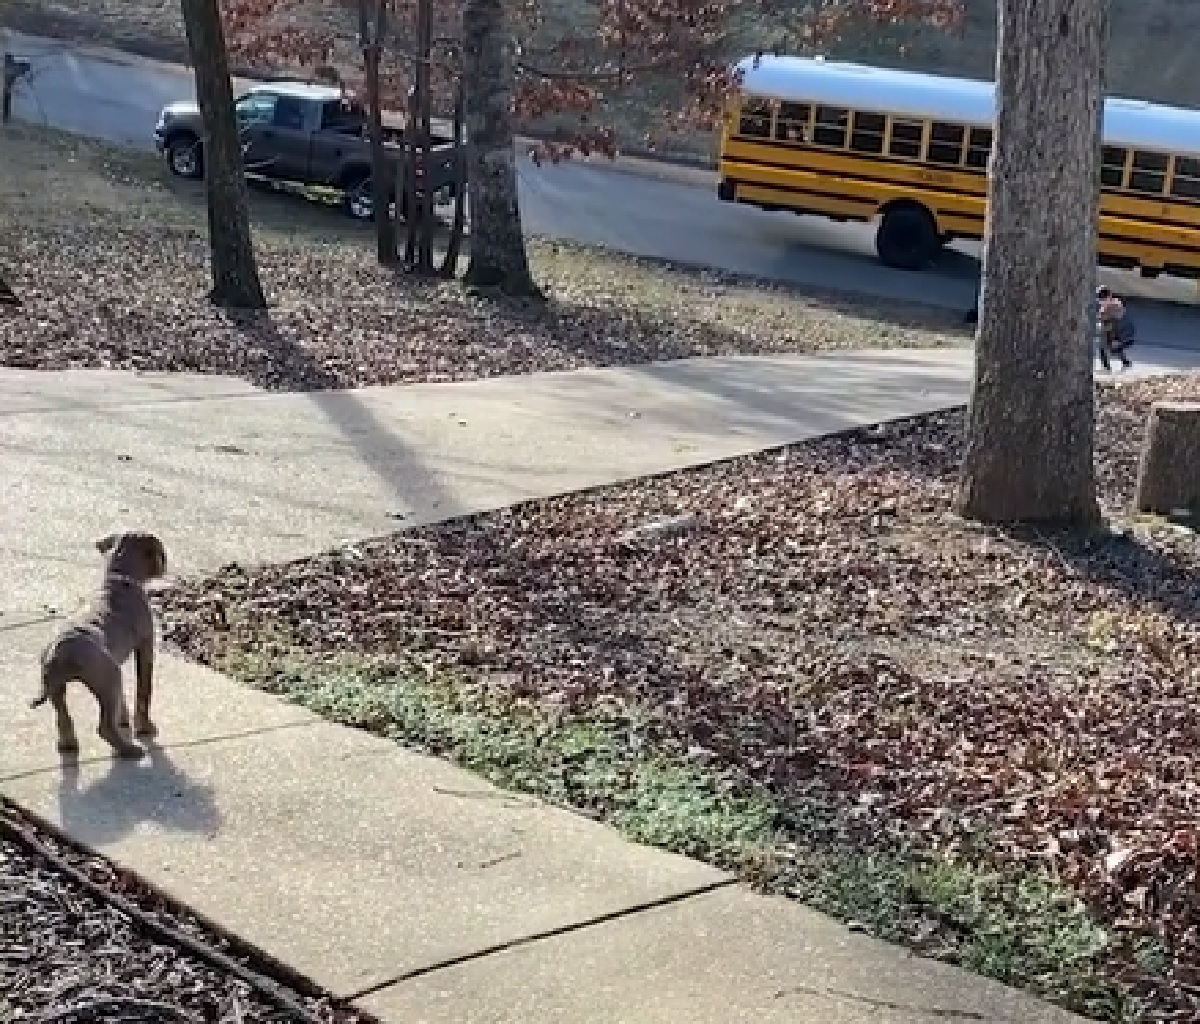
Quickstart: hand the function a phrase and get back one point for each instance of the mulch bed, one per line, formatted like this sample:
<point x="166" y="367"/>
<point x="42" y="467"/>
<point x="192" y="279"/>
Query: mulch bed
<point x="69" y="957"/>
<point x="815" y="620"/>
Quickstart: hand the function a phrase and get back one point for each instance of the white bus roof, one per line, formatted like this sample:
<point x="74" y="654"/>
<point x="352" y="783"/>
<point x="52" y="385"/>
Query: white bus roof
<point x="1132" y="123"/>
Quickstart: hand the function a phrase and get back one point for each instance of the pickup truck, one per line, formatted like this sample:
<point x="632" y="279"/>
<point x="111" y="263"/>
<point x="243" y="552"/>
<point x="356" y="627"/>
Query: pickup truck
<point x="296" y="133"/>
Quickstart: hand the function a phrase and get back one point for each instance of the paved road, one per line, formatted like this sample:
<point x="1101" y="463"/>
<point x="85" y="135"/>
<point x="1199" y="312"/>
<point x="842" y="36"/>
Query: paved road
<point x="117" y="97"/>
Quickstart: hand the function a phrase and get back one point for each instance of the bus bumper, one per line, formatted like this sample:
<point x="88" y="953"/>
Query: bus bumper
<point x="725" y="191"/>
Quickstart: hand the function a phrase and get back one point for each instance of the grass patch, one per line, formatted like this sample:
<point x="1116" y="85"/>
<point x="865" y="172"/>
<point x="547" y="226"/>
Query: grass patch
<point x="1018" y="928"/>
<point x="600" y="767"/>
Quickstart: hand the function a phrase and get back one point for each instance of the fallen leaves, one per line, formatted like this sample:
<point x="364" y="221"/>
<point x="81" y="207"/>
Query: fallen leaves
<point x="819" y="624"/>
<point x="111" y="268"/>
<point x="137" y="302"/>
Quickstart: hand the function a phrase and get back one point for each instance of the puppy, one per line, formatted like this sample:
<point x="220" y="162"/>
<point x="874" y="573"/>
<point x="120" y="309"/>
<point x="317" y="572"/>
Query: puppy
<point x="93" y="649"/>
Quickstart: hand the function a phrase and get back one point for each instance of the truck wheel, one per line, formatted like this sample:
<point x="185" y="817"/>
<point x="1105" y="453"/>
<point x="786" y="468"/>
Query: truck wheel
<point x="908" y="238"/>
<point x="185" y="157"/>
<point x="360" y="202"/>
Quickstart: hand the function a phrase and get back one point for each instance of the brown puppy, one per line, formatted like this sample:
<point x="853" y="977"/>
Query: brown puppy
<point x="93" y="649"/>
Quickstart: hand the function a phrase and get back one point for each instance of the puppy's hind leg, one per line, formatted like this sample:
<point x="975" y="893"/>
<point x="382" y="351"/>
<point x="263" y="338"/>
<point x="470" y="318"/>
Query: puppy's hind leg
<point x="54" y="690"/>
<point x="104" y="680"/>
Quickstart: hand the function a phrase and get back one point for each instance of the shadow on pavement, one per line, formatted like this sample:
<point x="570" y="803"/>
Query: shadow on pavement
<point x="377" y="444"/>
<point x="131" y="796"/>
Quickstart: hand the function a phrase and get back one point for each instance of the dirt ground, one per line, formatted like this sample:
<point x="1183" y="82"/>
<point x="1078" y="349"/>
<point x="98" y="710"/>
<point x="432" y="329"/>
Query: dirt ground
<point x="109" y="256"/>
<point x="812" y="628"/>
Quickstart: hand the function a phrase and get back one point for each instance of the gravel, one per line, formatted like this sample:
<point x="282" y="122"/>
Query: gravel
<point x="68" y="956"/>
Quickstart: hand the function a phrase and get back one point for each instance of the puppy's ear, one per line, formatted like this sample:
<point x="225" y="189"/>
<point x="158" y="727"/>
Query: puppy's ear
<point x="105" y="544"/>
<point x="155" y="554"/>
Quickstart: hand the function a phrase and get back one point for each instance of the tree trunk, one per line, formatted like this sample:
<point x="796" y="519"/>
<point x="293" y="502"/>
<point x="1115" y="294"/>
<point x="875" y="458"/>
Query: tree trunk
<point x="459" y="222"/>
<point x="1029" y="444"/>
<point x="382" y="186"/>
<point x="234" y="270"/>
<point x="418" y="247"/>
<point x="498" y="257"/>
<point x="424" y="162"/>
<point x="372" y="28"/>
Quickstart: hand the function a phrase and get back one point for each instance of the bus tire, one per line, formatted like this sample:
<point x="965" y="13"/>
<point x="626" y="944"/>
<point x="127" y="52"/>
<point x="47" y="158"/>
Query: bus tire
<point x="907" y="238"/>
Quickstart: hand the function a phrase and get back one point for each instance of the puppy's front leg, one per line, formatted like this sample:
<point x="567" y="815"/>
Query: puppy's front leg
<point x="144" y="658"/>
<point x="111" y="732"/>
<point x="104" y="680"/>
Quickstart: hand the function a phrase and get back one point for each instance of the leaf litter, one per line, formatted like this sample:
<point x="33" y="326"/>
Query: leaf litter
<point x="814" y="621"/>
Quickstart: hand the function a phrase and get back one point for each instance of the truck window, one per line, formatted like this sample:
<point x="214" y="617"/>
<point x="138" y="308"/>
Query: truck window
<point x="255" y="108"/>
<point x="289" y="113"/>
<point x="341" y="116"/>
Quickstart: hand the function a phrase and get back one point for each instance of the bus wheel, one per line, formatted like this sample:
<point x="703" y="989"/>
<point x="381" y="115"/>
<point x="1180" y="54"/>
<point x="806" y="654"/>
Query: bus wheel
<point x="907" y="238"/>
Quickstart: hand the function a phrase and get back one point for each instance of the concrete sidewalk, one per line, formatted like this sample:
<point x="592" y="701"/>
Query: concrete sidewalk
<point x="382" y="874"/>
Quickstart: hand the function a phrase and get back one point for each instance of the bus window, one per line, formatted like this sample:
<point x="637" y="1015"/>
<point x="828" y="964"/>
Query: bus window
<point x="1186" y="184"/>
<point x="946" y="143"/>
<point x="906" y="139"/>
<point x="791" y="123"/>
<point x="979" y="147"/>
<point x="1149" y="172"/>
<point x="1112" y="167"/>
<point x="756" y="118"/>
<point x="868" y="133"/>
<point x="831" y="126"/>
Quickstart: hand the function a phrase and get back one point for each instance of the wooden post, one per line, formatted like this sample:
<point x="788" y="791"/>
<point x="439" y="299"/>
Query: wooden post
<point x="13" y="70"/>
<point x="1169" y="472"/>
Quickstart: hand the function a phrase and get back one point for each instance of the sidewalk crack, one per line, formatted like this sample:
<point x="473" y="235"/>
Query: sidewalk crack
<point x="11" y="627"/>
<point x="551" y="933"/>
<point x="880" y="1004"/>
<point x="200" y="741"/>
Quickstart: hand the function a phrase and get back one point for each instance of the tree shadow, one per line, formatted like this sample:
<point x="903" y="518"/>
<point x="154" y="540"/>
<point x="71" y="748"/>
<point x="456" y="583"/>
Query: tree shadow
<point x="375" y="442"/>
<point x="131" y="796"/>
<point x="780" y="399"/>
<point x="1138" y="570"/>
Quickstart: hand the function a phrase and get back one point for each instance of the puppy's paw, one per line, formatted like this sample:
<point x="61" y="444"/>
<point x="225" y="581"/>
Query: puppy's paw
<point x="122" y="747"/>
<point x="146" y="729"/>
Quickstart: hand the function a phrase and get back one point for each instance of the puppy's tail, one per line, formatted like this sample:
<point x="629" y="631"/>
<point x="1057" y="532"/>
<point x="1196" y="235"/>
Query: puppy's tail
<point x="49" y="689"/>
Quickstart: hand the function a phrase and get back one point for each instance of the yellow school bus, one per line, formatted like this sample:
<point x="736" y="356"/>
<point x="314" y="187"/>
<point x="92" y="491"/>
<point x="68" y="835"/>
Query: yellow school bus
<point x="857" y="143"/>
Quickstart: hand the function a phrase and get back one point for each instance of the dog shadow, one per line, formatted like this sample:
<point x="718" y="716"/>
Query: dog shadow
<point x="150" y="795"/>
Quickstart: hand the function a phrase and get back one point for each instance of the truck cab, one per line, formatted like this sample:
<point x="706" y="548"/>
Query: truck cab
<point x="306" y="134"/>
<point x="303" y="133"/>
